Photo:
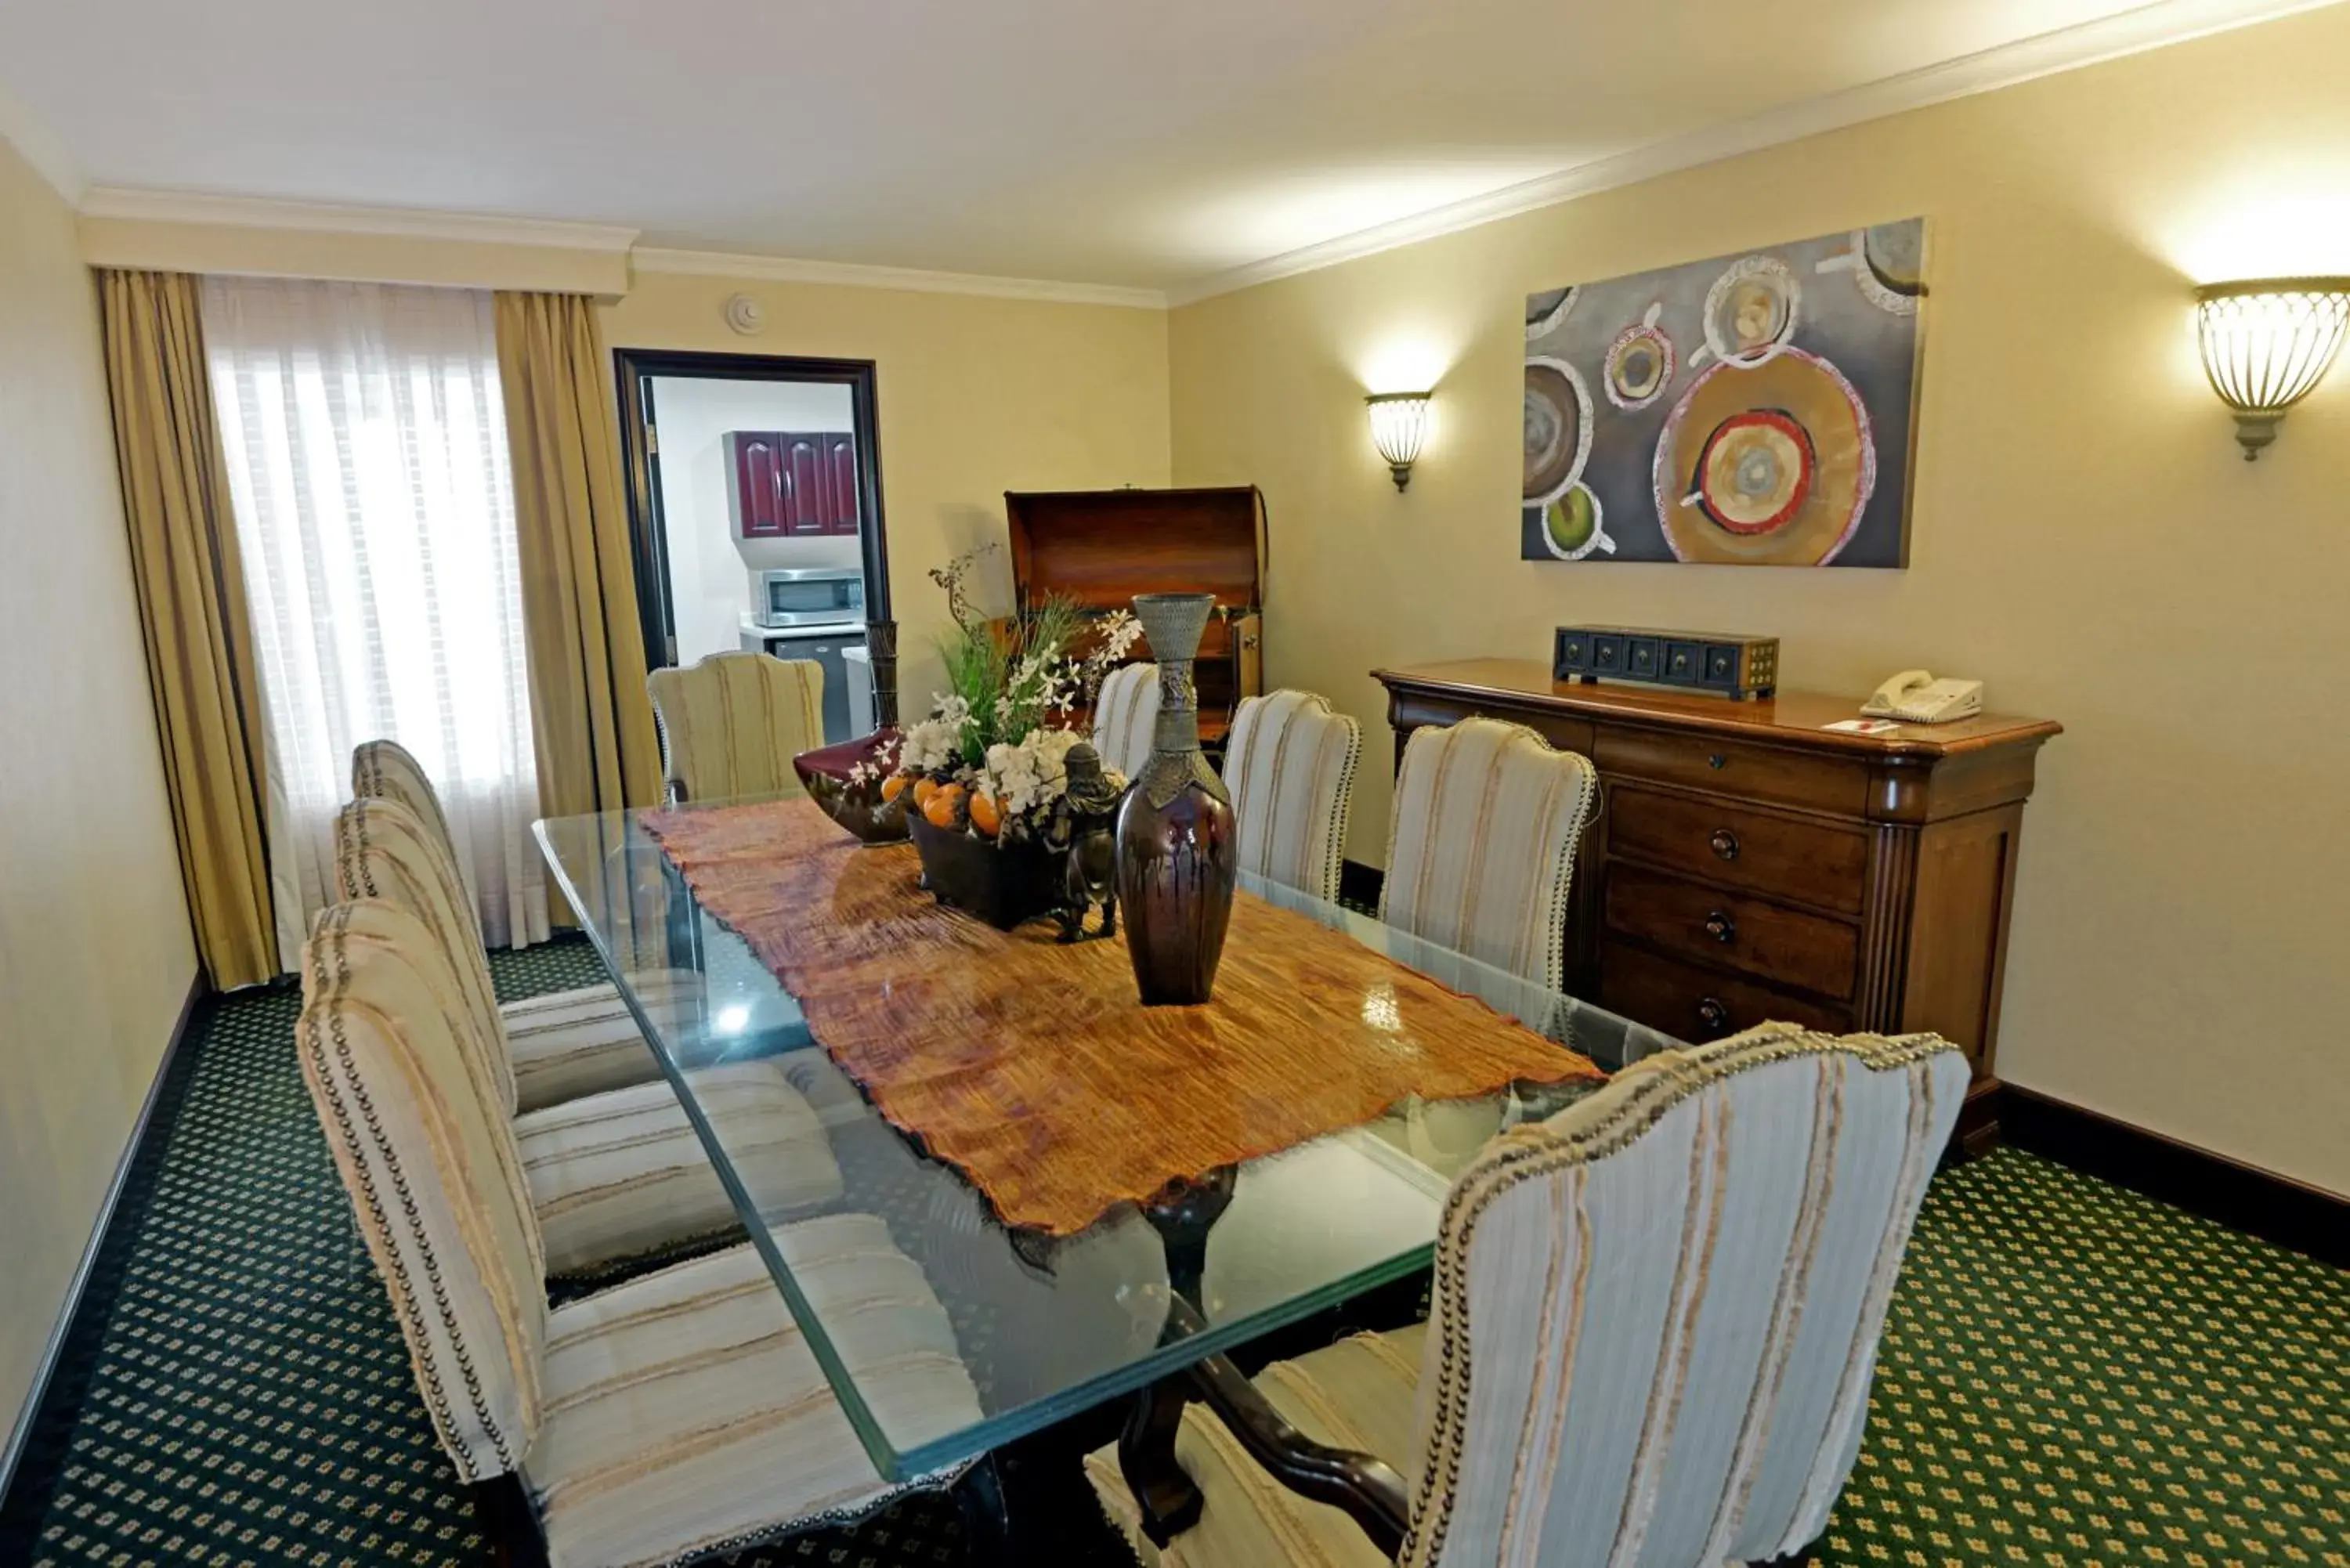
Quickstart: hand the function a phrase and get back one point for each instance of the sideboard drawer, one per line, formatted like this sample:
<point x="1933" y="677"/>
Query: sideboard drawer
<point x="1807" y="862"/>
<point x="1732" y="768"/>
<point x="1811" y="953"/>
<point x="1698" y="1004"/>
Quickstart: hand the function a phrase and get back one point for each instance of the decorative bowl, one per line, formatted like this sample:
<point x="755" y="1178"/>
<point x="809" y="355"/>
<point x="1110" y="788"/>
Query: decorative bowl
<point x="856" y="806"/>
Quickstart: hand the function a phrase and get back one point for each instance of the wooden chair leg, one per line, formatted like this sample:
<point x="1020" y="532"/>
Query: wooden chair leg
<point x="1366" y="1487"/>
<point x="1170" y="1500"/>
<point x="503" y="1506"/>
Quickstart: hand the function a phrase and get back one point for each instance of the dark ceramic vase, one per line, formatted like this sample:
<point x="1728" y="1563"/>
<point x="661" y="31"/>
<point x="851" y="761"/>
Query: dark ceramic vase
<point x="1178" y="851"/>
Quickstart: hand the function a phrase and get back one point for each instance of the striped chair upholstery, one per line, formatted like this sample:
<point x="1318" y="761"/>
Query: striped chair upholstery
<point x="386" y="770"/>
<point x="558" y="1048"/>
<point x="673" y="1415"/>
<point x="1655" y="1324"/>
<point x="619" y="1172"/>
<point x="623" y="1175"/>
<point x="1481" y="843"/>
<point x="731" y="724"/>
<point x="1289" y="765"/>
<point x="434" y="1174"/>
<point x="382" y="850"/>
<point x="621" y="1474"/>
<point x="565" y="1044"/>
<point x="1125" y="717"/>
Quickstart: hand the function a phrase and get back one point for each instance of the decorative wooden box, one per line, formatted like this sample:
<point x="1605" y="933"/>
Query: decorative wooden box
<point x="1101" y="547"/>
<point x="1732" y="664"/>
<point x="1748" y="865"/>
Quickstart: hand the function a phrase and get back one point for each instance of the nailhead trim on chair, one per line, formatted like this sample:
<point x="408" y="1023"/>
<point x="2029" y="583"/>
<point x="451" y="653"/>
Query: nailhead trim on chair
<point x="335" y="926"/>
<point x="1532" y="1153"/>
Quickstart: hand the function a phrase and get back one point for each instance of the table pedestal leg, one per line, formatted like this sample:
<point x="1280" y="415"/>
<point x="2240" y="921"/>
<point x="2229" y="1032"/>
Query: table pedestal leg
<point x="1170" y="1500"/>
<point x="1183" y="1212"/>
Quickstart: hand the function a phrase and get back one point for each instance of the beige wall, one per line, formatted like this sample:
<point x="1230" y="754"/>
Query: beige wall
<point x="2086" y="539"/>
<point x="978" y="396"/>
<point x="95" y="956"/>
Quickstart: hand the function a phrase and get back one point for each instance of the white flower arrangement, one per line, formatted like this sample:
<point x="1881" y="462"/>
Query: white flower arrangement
<point x="935" y="745"/>
<point x="1026" y="778"/>
<point x="1000" y="734"/>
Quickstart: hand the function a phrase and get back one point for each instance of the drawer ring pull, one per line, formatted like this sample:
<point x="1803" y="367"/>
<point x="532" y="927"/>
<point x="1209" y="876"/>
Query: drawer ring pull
<point x="1724" y="843"/>
<point x="1712" y="1014"/>
<point x="1720" y="926"/>
<point x="1717" y="761"/>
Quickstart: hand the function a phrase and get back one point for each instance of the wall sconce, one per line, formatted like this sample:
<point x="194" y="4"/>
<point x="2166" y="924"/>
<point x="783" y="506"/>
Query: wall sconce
<point x="1399" y="423"/>
<point x="2266" y="343"/>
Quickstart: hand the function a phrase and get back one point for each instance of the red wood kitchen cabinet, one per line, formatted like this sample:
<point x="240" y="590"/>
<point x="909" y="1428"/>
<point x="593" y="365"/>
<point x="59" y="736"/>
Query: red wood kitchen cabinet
<point x="791" y="485"/>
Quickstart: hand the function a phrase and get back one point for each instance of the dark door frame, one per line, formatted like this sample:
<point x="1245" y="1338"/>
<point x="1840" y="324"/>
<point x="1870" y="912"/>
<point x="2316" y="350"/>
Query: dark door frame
<point x="648" y="532"/>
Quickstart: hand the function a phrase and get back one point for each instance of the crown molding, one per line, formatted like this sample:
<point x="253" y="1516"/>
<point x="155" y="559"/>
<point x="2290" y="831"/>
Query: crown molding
<point x="37" y="145"/>
<point x="315" y="217"/>
<point x="850" y="275"/>
<point x="2147" y="27"/>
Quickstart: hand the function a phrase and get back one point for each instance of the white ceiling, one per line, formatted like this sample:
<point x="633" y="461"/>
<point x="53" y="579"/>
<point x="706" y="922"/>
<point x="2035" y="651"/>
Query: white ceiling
<point x="1112" y="141"/>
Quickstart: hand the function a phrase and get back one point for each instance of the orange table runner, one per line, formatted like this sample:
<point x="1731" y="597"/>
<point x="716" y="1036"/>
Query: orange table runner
<point x="1034" y="1068"/>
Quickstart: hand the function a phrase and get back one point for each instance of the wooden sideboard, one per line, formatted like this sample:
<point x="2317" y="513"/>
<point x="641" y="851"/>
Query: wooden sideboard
<point x="1747" y="863"/>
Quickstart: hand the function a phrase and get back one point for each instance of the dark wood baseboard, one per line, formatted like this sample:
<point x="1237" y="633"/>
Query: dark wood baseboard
<point x="1977" y="1130"/>
<point x="2309" y="1219"/>
<point x="43" y="1422"/>
<point x="1360" y="883"/>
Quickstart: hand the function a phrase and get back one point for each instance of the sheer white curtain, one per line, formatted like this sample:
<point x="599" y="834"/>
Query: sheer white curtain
<point x="367" y="451"/>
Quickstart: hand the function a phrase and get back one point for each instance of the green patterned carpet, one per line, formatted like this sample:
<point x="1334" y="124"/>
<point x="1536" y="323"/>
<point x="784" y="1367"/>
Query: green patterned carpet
<point x="2072" y="1374"/>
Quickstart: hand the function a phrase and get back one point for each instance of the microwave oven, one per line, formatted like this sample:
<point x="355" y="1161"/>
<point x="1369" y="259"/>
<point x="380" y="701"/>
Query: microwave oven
<point x="805" y="596"/>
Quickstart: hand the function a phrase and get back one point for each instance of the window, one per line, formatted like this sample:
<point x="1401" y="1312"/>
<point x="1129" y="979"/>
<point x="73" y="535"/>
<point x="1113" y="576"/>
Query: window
<point x="366" y="441"/>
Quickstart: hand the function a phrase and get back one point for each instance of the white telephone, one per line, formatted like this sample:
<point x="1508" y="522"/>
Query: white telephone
<point x="1914" y="697"/>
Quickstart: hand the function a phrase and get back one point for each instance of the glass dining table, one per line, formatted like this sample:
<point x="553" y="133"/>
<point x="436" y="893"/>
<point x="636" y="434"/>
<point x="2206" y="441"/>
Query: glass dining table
<point x="1051" y="1326"/>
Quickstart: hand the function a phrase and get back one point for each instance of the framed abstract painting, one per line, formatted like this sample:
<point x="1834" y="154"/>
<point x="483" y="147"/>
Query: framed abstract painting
<point x="1755" y="410"/>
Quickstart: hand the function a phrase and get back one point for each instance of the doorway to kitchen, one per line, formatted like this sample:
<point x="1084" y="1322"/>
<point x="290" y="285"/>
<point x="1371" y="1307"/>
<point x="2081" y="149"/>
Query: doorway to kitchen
<point x="754" y="511"/>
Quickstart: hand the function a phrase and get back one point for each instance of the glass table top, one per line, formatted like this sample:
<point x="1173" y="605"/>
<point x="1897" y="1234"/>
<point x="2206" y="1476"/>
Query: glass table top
<point x="1048" y="1327"/>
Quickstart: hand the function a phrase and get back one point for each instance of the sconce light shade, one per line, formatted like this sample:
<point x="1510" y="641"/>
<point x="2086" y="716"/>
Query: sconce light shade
<point x="2266" y="343"/>
<point x="1399" y="423"/>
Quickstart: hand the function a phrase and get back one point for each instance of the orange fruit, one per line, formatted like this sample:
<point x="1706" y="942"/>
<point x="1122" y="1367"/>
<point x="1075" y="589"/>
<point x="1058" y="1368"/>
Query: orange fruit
<point x="925" y="787"/>
<point x="986" y="814"/>
<point x="894" y="786"/>
<point x="940" y="809"/>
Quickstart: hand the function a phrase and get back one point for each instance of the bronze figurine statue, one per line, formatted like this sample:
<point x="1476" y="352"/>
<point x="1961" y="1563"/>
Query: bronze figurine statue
<point x="1087" y="826"/>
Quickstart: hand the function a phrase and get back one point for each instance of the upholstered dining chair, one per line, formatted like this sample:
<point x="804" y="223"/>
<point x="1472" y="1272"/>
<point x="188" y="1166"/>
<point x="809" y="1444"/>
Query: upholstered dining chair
<point x="1480" y="844"/>
<point x="1289" y="765"/>
<point x="617" y="1173"/>
<point x="1654" y="1323"/>
<point x="568" y="1043"/>
<point x="679" y="1414"/>
<point x="1125" y="717"/>
<point x="731" y="724"/>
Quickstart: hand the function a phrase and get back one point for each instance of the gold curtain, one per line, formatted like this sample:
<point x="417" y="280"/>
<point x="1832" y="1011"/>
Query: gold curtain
<point x="597" y="746"/>
<point x="199" y="664"/>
